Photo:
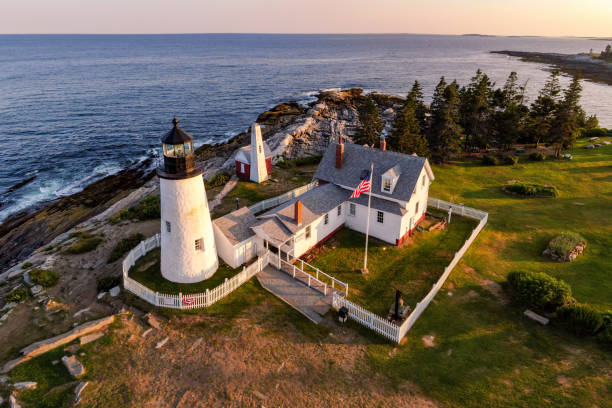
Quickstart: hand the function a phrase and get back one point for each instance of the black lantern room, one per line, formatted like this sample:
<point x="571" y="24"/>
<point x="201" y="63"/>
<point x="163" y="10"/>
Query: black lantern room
<point x="179" y="158"/>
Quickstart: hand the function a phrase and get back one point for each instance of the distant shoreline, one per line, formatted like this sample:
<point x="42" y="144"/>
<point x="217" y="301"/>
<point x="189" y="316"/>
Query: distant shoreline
<point x="572" y="64"/>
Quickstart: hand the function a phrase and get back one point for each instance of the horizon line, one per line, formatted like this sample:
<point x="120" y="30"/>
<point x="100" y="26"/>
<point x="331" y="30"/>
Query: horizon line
<point x="347" y="33"/>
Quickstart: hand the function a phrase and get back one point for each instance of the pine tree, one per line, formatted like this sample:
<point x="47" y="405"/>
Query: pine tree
<point x="564" y="127"/>
<point x="475" y="110"/>
<point x="407" y="135"/>
<point x="445" y="132"/>
<point x="371" y="123"/>
<point x="543" y="110"/>
<point x="508" y="122"/>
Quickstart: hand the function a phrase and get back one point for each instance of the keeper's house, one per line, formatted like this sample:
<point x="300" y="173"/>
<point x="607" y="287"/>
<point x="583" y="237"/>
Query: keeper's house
<point x="400" y="188"/>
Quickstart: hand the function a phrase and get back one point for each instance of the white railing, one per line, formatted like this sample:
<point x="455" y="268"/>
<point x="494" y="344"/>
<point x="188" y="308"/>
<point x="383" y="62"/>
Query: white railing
<point x="283" y="198"/>
<point x="367" y="318"/>
<point x="397" y="333"/>
<point x="185" y="301"/>
<point x="313" y="280"/>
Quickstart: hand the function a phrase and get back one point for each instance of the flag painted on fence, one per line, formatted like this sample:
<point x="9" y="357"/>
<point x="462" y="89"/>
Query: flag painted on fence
<point x="188" y="300"/>
<point x="363" y="187"/>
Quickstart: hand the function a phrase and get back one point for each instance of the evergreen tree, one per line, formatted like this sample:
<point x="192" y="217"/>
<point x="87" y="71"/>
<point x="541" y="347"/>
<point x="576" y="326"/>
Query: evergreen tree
<point x="508" y="122"/>
<point x="371" y="123"/>
<point x="407" y="135"/>
<point x="445" y="132"/>
<point x="543" y="110"/>
<point x="475" y="110"/>
<point x="564" y="129"/>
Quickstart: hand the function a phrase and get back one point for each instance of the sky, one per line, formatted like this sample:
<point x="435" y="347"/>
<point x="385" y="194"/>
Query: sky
<point x="494" y="17"/>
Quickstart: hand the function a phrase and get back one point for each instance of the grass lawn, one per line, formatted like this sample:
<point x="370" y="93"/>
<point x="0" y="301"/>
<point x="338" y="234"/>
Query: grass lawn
<point x="412" y="268"/>
<point x="147" y="271"/>
<point x="486" y="352"/>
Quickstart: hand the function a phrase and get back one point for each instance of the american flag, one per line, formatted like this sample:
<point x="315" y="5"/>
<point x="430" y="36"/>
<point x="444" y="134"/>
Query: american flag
<point x="363" y="187"/>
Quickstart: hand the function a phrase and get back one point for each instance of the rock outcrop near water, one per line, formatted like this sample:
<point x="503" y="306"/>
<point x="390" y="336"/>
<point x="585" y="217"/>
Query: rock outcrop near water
<point x="290" y="129"/>
<point x="591" y="68"/>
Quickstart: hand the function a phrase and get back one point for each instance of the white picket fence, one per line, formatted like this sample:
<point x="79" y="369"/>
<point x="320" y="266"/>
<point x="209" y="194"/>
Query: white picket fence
<point x="185" y="301"/>
<point x="393" y="331"/>
<point x="283" y="198"/>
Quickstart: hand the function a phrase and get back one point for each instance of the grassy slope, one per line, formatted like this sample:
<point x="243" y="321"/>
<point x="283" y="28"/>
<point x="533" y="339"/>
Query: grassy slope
<point x="487" y="353"/>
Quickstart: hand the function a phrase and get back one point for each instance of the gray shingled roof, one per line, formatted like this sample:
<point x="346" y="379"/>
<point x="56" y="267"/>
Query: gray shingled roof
<point x="316" y="202"/>
<point x="380" y="204"/>
<point x="236" y="226"/>
<point x="358" y="158"/>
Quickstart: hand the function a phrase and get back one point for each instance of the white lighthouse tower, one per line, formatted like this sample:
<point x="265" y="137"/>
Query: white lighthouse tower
<point x="188" y="252"/>
<point x="259" y="171"/>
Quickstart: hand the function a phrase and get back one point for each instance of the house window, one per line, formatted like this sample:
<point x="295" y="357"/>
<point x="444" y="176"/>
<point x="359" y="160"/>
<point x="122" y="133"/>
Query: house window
<point x="416" y="210"/>
<point x="387" y="185"/>
<point x="423" y="183"/>
<point x="326" y="219"/>
<point x="259" y="149"/>
<point x="380" y="216"/>
<point x="352" y="209"/>
<point x="339" y="210"/>
<point x="199" y="244"/>
<point x="168" y="226"/>
<point x="308" y="232"/>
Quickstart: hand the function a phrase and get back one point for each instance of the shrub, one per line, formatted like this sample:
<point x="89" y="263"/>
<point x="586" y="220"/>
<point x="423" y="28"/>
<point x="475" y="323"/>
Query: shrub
<point x="532" y="190"/>
<point x="18" y="295"/>
<point x="489" y="160"/>
<point x="539" y="290"/>
<point x="563" y="244"/>
<point x="595" y="132"/>
<point x="147" y="209"/>
<point x="308" y="160"/>
<point x="44" y="277"/>
<point x="511" y="160"/>
<point x="26" y="265"/>
<point x="582" y="320"/>
<point x="124" y="245"/>
<point x="605" y="335"/>
<point x="217" y="180"/>
<point x="85" y="242"/>
<point x="106" y="283"/>
<point x="537" y="156"/>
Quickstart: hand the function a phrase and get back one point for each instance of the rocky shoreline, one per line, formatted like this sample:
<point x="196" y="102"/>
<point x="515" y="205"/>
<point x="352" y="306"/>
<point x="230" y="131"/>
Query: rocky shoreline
<point x="572" y="64"/>
<point x="290" y="129"/>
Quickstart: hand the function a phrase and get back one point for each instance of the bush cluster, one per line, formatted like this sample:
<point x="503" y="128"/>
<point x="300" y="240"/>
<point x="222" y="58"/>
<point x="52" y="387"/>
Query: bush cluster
<point x="285" y="163"/>
<point x="106" y="283"/>
<point x="563" y="244"/>
<point x="147" y="209"/>
<point x="217" y="180"/>
<point x="511" y="160"/>
<point x="595" y="132"/>
<point x="124" y="245"/>
<point x="18" y="295"/>
<point x="44" y="277"/>
<point x="85" y="242"/>
<point x="490" y="160"/>
<point x="26" y="265"/>
<point x="582" y="320"/>
<point x="532" y="190"/>
<point x="539" y="290"/>
<point x="537" y="156"/>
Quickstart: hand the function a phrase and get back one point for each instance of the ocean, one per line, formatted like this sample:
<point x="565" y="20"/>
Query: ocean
<point x="75" y="108"/>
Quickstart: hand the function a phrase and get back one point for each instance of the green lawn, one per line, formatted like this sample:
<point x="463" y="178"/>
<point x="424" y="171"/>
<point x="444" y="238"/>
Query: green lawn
<point x="147" y="271"/>
<point x="412" y="268"/>
<point x="487" y="354"/>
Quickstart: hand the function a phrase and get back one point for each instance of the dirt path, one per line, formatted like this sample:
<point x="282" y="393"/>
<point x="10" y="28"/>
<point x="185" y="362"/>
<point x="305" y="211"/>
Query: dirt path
<point x="225" y="191"/>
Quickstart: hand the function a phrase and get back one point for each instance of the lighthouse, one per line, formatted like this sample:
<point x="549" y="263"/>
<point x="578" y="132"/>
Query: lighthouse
<point x="259" y="170"/>
<point x="188" y="252"/>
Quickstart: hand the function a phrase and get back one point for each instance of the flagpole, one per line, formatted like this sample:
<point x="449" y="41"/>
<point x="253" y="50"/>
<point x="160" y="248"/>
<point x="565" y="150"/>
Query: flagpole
<point x="365" y="257"/>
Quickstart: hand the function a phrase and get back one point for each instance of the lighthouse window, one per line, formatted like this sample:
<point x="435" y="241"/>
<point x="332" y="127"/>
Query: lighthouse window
<point x="168" y="226"/>
<point x="199" y="244"/>
<point x="259" y="149"/>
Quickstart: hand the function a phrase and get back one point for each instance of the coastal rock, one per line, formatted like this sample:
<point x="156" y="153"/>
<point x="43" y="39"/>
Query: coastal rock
<point x="36" y="290"/>
<point x="90" y="337"/>
<point x="162" y="343"/>
<point x="79" y="390"/>
<point x="114" y="292"/>
<point x="13" y="402"/>
<point x="25" y="385"/>
<point x="74" y="366"/>
<point x="152" y="321"/>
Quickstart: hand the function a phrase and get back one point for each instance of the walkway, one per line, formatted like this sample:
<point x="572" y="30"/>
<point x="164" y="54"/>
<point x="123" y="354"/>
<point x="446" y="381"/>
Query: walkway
<point x="295" y="293"/>
<point x="224" y="191"/>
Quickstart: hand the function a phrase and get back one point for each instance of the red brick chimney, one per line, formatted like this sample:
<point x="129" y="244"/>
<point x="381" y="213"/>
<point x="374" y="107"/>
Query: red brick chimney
<point x="339" y="153"/>
<point x="383" y="144"/>
<point x="298" y="212"/>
